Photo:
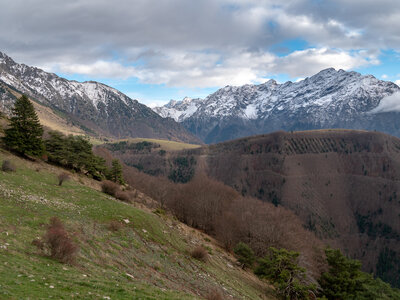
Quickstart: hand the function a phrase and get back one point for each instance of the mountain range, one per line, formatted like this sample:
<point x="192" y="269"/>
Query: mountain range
<point x="330" y="99"/>
<point x="94" y="105"/>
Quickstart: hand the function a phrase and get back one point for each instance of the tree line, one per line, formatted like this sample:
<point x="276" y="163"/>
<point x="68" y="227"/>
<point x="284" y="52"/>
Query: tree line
<point x="24" y="136"/>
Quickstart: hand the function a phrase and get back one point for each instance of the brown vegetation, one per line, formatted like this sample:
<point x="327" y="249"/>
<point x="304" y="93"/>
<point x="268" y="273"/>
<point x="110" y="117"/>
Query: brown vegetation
<point x="109" y="187"/>
<point x="57" y="242"/>
<point x="115" y="226"/>
<point x="343" y="185"/>
<point x="62" y="177"/>
<point x="123" y="196"/>
<point x="221" y="211"/>
<point x="8" y="166"/>
<point x="199" y="253"/>
<point x="214" y="295"/>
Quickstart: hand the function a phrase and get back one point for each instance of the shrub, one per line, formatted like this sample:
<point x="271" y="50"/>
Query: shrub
<point x="123" y="196"/>
<point x="244" y="254"/>
<point x="109" y="187"/>
<point x="8" y="166"/>
<point x="39" y="244"/>
<point x="280" y="266"/>
<point x="58" y="241"/>
<point x="345" y="280"/>
<point x="199" y="253"/>
<point x="214" y="295"/>
<point x="115" y="226"/>
<point x="62" y="177"/>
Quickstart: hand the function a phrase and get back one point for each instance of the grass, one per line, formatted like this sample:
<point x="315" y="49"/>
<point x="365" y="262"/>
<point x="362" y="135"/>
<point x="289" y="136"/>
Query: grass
<point x="147" y="258"/>
<point x="165" y="144"/>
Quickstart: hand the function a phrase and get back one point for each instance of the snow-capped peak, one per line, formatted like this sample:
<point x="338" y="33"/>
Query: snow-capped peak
<point x="326" y="99"/>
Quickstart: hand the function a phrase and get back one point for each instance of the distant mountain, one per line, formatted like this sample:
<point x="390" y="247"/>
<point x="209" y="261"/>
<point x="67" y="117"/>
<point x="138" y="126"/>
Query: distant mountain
<point x="96" y="105"/>
<point x="329" y="99"/>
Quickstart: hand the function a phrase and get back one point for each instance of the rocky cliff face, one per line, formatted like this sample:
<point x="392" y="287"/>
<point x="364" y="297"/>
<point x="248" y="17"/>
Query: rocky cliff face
<point x="329" y="99"/>
<point x="98" y="106"/>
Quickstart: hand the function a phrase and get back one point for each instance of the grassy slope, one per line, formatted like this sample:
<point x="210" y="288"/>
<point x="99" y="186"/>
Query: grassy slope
<point x="165" y="144"/>
<point x="151" y="248"/>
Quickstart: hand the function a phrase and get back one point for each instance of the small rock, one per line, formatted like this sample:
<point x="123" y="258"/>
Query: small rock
<point x="129" y="275"/>
<point x="51" y="286"/>
<point x="144" y="230"/>
<point x="126" y="221"/>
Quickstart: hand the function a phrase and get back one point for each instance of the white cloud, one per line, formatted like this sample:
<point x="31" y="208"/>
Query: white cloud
<point x="384" y="76"/>
<point x="197" y="43"/>
<point x="107" y="69"/>
<point x="389" y="103"/>
<point x="202" y="69"/>
<point x="310" y="61"/>
<point x="397" y="82"/>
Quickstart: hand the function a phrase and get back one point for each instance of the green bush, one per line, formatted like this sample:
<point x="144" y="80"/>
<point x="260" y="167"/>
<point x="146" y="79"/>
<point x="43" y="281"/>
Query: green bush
<point x="344" y="280"/>
<point x="244" y="254"/>
<point x="280" y="267"/>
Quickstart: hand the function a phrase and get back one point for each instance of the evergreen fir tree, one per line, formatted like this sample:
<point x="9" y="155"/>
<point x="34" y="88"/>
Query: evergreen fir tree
<point x="24" y="135"/>
<point x="116" y="172"/>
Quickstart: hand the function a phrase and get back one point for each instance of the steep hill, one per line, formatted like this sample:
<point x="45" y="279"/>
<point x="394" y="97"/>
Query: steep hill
<point x="343" y="184"/>
<point x="329" y="99"/>
<point x="95" y="105"/>
<point x="145" y="257"/>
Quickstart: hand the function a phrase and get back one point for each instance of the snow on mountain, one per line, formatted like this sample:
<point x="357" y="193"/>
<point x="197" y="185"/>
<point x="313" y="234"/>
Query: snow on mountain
<point x="50" y="86"/>
<point x="329" y="99"/>
<point x="179" y="111"/>
<point x="96" y="105"/>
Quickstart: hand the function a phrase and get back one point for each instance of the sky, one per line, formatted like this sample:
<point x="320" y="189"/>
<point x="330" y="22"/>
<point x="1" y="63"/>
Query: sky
<point x="155" y="51"/>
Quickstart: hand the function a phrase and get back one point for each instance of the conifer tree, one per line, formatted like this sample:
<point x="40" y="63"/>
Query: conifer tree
<point x="116" y="172"/>
<point x="24" y="135"/>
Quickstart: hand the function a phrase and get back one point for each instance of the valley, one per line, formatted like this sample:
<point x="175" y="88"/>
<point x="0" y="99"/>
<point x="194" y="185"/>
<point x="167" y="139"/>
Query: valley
<point x="342" y="184"/>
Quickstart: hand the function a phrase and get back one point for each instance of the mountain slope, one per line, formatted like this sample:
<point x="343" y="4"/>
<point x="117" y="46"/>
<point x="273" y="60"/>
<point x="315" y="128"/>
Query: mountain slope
<point x="146" y="257"/>
<point x="343" y="184"/>
<point x="329" y="99"/>
<point x="96" y="105"/>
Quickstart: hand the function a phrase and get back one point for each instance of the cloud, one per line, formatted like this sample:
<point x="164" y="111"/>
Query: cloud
<point x="98" y="69"/>
<point x="389" y="103"/>
<point x="308" y="62"/>
<point x="197" y="43"/>
<point x="201" y="69"/>
<point x="397" y="82"/>
<point x="243" y="67"/>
